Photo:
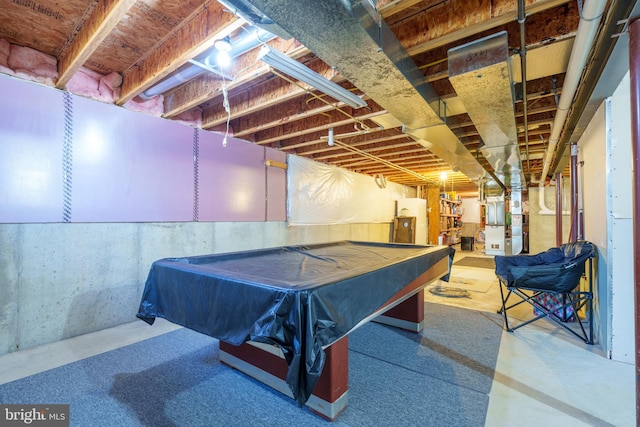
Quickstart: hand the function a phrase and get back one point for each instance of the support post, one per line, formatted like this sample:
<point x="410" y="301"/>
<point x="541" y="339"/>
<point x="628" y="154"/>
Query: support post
<point x="576" y="232"/>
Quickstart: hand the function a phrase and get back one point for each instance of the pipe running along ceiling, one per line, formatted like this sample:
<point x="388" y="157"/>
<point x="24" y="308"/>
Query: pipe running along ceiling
<point x="157" y="57"/>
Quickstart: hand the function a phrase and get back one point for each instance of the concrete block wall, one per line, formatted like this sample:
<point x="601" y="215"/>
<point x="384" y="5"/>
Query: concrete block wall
<point x="62" y="280"/>
<point x="76" y="247"/>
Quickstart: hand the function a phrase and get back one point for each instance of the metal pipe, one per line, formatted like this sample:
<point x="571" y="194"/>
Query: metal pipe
<point x="634" y="70"/>
<point x="575" y="232"/>
<point x="523" y="69"/>
<point x="182" y="76"/>
<point x="587" y="29"/>
<point x="558" y="208"/>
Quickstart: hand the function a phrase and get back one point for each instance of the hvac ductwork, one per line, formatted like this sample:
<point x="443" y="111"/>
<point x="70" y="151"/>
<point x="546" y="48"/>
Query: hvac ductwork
<point x="480" y="73"/>
<point x="245" y="10"/>
<point x="353" y="38"/>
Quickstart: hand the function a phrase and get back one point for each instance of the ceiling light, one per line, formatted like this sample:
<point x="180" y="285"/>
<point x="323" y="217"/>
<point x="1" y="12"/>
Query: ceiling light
<point x="223" y="45"/>
<point x="293" y="68"/>
<point x="223" y="59"/>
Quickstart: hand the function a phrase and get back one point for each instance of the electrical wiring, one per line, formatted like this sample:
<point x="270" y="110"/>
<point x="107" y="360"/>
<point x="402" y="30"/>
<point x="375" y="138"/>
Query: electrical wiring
<point x="225" y="94"/>
<point x="227" y="108"/>
<point x="363" y="128"/>
<point x="359" y="127"/>
<point x="320" y="98"/>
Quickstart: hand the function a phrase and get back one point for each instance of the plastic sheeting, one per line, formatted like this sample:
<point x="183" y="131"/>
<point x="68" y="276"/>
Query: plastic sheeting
<point x="325" y="194"/>
<point x="299" y="298"/>
<point x="557" y="270"/>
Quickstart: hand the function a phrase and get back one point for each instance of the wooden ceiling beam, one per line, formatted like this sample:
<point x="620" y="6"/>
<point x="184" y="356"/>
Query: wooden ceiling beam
<point x="416" y="159"/>
<point x="314" y="126"/>
<point x="447" y="25"/>
<point x="209" y="23"/>
<point x="299" y="108"/>
<point x="104" y="18"/>
<point x="321" y="145"/>
<point x="339" y="152"/>
<point x="318" y="129"/>
<point x="388" y="8"/>
<point x="400" y="156"/>
<point x="387" y="171"/>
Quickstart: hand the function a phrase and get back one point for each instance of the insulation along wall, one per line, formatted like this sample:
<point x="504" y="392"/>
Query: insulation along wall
<point x="65" y="158"/>
<point x="325" y="194"/>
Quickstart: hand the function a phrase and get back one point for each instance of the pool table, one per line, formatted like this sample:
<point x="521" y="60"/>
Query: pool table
<point x="283" y="314"/>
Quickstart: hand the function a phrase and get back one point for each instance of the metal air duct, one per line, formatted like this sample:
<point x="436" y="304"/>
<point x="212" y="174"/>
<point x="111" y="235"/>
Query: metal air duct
<point x="480" y="73"/>
<point x="353" y="38"/>
<point x="246" y="11"/>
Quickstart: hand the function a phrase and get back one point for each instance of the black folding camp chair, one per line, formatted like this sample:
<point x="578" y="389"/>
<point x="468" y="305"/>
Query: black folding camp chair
<point x="549" y="281"/>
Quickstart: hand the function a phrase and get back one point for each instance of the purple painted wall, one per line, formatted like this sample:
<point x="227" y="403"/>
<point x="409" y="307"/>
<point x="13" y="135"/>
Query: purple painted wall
<point x="231" y="180"/>
<point x="129" y="171"/>
<point x="31" y="137"/>
<point x="124" y="166"/>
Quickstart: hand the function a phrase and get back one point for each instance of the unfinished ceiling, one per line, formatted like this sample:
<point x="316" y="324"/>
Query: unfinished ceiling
<point x="393" y="54"/>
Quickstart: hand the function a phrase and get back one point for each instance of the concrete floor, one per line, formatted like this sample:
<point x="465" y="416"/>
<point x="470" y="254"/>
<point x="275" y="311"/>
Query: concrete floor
<point x="544" y="376"/>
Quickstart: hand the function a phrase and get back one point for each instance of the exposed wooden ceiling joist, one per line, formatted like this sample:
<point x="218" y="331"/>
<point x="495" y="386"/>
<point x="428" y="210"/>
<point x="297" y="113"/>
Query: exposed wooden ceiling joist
<point x="485" y="16"/>
<point x="146" y="41"/>
<point x="106" y="15"/>
<point x="200" y="31"/>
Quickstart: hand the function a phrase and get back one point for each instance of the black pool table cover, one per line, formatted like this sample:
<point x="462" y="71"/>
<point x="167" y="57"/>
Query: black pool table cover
<point x="299" y="298"/>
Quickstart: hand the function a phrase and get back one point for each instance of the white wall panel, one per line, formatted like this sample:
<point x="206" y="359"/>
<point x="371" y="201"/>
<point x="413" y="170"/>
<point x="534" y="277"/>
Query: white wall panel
<point x="620" y="224"/>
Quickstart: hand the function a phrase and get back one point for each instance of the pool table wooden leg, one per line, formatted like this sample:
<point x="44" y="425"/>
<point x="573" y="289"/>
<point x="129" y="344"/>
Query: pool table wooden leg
<point x="266" y="364"/>
<point x="408" y="315"/>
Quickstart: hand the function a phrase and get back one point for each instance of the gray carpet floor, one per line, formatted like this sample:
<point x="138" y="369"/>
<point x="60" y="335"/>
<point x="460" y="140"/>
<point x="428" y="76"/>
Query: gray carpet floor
<point x="475" y="261"/>
<point x="441" y="376"/>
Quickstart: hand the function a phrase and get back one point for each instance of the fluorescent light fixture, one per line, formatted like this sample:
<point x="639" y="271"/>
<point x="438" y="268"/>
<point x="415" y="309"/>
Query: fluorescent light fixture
<point x="293" y="68"/>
